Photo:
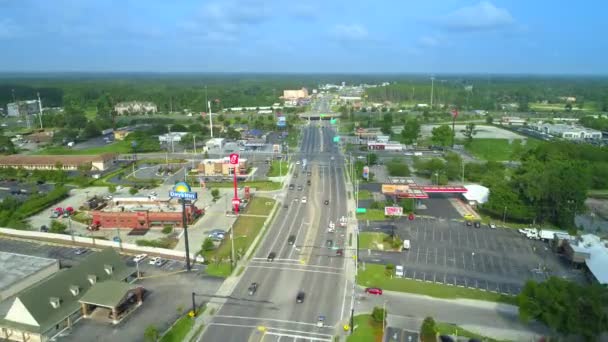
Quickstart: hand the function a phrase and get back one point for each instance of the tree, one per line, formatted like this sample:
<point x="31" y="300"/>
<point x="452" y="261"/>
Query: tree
<point x="215" y="193"/>
<point x="151" y="334"/>
<point x="469" y="131"/>
<point x="442" y="135"/>
<point x="372" y="158"/>
<point x="379" y="314"/>
<point x="232" y="134"/>
<point x="111" y="188"/>
<point x="428" y="330"/>
<point x="568" y="107"/>
<point x="386" y="128"/>
<point x="566" y="306"/>
<point x="489" y="119"/>
<point x="208" y="245"/>
<point x="133" y="191"/>
<point x="410" y="132"/>
<point x="6" y="145"/>
<point x="57" y="227"/>
<point x="523" y="104"/>
<point x="398" y="168"/>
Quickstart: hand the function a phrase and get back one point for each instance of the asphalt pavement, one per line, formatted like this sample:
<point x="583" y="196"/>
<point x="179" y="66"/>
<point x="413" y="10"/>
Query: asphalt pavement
<point x="308" y="265"/>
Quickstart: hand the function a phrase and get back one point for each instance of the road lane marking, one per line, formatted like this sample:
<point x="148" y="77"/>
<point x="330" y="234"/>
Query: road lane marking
<point x="297" y="270"/>
<point x="299" y="264"/>
<point x="246" y="318"/>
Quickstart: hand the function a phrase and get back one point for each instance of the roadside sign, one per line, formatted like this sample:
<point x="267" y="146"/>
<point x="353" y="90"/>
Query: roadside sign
<point x="393" y="211"/>
<point x="366" y="172"/>
<point x="337" y="138"/>
<point x="234" y="159"/>
<point x="333" y="121"/>
<point x="361" y="210"/>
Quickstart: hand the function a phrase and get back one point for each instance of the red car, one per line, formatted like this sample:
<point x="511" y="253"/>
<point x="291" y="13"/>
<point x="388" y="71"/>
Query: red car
<point x="373" y="290"/>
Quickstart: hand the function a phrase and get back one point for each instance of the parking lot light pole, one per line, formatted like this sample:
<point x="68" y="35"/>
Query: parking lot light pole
<point x="185" y="225"/>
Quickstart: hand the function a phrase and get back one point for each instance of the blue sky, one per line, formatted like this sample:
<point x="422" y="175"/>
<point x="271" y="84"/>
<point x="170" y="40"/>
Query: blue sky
<point x="434" y="36"/>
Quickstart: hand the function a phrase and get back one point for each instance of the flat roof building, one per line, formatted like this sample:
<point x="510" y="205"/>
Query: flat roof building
<point x="65" y="162"/>
<point x="21" y="271"/>
<point x="570" y="132"/>
<point x="591" y="251"/>
<point x="215" y="143"/>
<point x="221" y="167"/>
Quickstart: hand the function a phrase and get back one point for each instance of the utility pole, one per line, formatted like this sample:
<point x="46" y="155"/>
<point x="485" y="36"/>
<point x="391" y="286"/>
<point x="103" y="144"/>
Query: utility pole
<point x="432" y="88"/>
<point x="40" y="110"/>
<point x="210" y="120"/>
<point x="504" y="216"/>
<point x="194" y="142"/>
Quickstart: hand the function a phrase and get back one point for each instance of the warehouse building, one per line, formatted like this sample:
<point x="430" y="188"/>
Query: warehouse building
<point x="65" y="162"/>
<point x="99" y="286"/>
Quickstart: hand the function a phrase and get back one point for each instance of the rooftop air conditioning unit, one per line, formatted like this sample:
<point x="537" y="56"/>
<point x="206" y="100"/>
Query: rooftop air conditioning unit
<point x="55" y="302"/>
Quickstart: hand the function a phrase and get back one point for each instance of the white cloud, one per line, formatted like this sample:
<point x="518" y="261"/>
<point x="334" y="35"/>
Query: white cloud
<point x="350" y="33"/>
<point x="8" y="29"/>
<point x="482" y="16"/>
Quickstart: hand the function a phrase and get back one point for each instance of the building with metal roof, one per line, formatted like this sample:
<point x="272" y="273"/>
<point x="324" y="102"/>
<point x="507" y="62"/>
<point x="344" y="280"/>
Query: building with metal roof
<point x="47" y="308"/>
<point x="592" y="252"/>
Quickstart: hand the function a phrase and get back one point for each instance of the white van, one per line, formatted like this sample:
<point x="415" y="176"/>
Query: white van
<point x="304" y="199"/>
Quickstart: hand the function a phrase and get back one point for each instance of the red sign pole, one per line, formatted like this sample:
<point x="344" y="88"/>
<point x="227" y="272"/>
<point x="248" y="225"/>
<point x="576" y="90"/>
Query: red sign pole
<point x="234" y="160"/>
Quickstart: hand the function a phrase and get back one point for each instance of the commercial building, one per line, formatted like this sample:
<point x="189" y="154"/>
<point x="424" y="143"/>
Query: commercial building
<point x="135" y="107"/>
<point x="143" y="213"/>
<point x="476" y="194"/>
<point x="221" y="167"/>
<point x="295" y="94"/>
<point x="96" y="287"/>
<point x="591" y="252"/>
<point x="368" y="133"/>
<point x="22" y="108"/>
<point x="569" y="132"/>
<point x="215" y="143"/>
<point x="384" y="146"/>
<point x="512" y="121"/>
<point x="172" y="137"/>
<point x="21" y="271"/>
<point x="65" y="162"/>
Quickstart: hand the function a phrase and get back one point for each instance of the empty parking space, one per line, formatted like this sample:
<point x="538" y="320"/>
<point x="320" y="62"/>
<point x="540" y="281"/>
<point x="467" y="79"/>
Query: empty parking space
<point x="445" y="251"/>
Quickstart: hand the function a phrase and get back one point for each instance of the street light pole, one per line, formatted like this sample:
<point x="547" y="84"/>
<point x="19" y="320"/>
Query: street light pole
<point x="185" y="225"/>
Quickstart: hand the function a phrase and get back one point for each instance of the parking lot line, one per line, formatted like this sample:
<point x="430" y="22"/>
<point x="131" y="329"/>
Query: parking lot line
<point x="436" y="256"/>
<point x="426" y="256"/>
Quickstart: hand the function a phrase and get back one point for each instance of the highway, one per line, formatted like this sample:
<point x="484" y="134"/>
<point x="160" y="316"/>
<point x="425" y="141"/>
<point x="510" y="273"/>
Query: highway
<point x="308" y="265"/>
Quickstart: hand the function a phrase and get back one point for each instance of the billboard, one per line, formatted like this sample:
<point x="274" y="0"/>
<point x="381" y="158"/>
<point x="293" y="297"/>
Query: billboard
<point x="393" y="211"/>
<point x="391" y="189"/>
<point x="366" y="172"/>
<point x="281" y="122"/>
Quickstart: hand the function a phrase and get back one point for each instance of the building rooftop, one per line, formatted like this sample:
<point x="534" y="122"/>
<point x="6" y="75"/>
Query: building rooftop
<point x="20" y="159"/>
<point x="597" y="250"/>
<point x="152" y="206"/>
<point x="16" y="267"/>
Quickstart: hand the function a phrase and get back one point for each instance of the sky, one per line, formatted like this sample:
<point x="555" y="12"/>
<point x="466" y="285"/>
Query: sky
<point x="326" y="36"/>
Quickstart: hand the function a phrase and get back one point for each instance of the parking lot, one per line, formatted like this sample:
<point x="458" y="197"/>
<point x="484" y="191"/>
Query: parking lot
<point x="168" y="294"/>
<point x="442" y="251"/>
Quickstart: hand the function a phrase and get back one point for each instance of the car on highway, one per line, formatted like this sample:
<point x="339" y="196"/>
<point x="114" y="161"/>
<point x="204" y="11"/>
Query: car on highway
<point x="292" y="186"/>
<point x="326" y="202"/>
<point x="80" y="251"/>
<point x="300" y="188"/>
<point x="304" y="199"/>
<point x="308" y="182"/>
<point x="285" y="206"/>
<point x="139" y="257"/>
<point x="329" y="243"/>
<point x="271" y="256"/>
<point x="300" y="297"/>
<point x="291" y="240"/>
<point x="340" y="252"/>
<point x="252" y="288"/>
<point x="298" y="162"/>
<point x="373" y="290"/>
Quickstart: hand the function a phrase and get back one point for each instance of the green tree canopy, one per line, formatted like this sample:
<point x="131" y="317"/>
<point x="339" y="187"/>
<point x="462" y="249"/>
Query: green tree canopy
<point x="410" y="132"/>
<point x="428" y="330"/>
<point x="442" y="135"/>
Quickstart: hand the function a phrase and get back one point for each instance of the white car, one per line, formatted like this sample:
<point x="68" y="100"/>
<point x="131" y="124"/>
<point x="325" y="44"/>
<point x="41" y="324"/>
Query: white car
<point x="154" y="260"/>
<point x="399" y="271"/>
<point x="303" y="199"/>
<point x="139" y="257"/>
<point x="492" y="225"/>
<point x="298" y="162"/>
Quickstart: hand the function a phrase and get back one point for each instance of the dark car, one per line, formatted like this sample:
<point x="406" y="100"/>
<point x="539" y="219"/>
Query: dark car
<point x="285" y="205"/>
<point x="252" y="288"/>
<point x="44" y="229"/>
<point x="271" y="256"/>
<point x="300" y="297"/>
<point x="292" y="186"/>
<point x="329" y="243"/>
<point x="291" y="240"/>
<point x="477" y="225"/>
<point x="326" y="202"/>
<point x="340" y="252"/>
<point x="469" y="224"/>
<point x="308" y="182"/>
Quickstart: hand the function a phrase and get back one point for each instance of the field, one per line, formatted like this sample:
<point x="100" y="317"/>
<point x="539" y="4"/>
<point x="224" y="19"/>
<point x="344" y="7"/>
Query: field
<point x="551" y="107"/>
<point x="372" y="215"/>
<point x="370" y="240"/>
<point x="116" y="147"/>
<point x="497" y="149"/>
<point x="365" y="194"/>
<point x="375" y="276"/>
<point x="483" y="132"/>
<point x="277" y="166"/>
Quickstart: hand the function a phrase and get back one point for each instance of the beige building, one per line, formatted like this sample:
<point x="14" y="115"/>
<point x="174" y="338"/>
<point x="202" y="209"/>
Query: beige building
<point x="21" y="271"/>
<point x="65" y="162"/>
<point x="135" y="107"/>
<point x="295" y="94"/>
<point x="221" y="167"/>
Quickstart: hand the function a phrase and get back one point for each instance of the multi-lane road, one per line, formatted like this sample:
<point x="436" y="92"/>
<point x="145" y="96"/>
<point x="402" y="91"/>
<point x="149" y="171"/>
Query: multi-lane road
<point x="311" y="265"/>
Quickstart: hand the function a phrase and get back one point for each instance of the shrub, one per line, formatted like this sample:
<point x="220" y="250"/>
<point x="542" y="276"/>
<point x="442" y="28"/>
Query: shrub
<point x="379" y="314"/>
<point x="57" y="227"/>
<point x="167" y="229"/>
<point x="428" y="331"/>
<point x="389" y="268"/>
<point x="208" y="245"/>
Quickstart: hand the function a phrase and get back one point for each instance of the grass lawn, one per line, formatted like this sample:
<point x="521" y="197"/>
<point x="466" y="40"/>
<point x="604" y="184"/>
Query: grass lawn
<point x="601" y="194"/>
<point x="117" y="147"/>
<point x="259" y="185"/>
<point x="374" y="276"/>
<point x="260" y="206"/>
<point x="367" y="330"/>
<point x="277" y="166"/>
<point x="371" y="240"/>
<point x="219" y="270"/>
<point x="365" y="194"/>
<point x="454" y="330"/>
<point x="497" y="149"/>
<point x="179" y="331"/>
<point x="372" y="215"/>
